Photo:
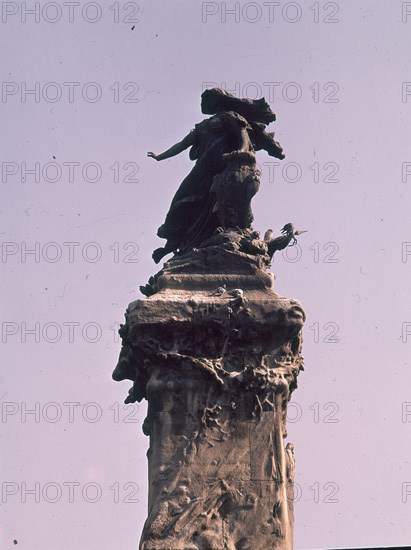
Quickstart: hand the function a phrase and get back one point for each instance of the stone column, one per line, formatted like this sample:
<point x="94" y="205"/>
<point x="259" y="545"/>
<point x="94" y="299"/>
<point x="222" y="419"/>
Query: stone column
<point x="217" y="369"/>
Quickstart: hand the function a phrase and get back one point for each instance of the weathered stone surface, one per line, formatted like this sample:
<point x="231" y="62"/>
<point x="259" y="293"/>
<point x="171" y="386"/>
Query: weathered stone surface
<point x="218" y="372"/>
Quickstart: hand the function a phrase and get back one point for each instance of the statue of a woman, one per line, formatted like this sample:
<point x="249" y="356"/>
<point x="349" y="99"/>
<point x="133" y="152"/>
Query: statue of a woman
<point x="236" y="129"/>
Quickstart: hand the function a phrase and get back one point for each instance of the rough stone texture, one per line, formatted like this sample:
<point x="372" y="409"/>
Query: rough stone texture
<point x="218" y="372"/>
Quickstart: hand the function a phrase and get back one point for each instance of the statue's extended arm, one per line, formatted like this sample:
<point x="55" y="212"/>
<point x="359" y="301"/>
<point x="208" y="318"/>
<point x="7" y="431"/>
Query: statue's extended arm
<point x="179" y="147"/>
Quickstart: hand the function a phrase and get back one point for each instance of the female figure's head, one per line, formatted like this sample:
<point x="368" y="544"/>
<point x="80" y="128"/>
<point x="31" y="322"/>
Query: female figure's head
<point x="216" y="100"/>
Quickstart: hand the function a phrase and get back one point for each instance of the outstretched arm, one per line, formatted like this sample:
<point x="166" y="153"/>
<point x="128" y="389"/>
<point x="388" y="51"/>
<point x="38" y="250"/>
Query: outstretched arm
<point x="175" y="149"/>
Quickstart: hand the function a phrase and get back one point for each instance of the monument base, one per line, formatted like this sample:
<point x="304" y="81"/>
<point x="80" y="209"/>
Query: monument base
<point x="216" y="352"/>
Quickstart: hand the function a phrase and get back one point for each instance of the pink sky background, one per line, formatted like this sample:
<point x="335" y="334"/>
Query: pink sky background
<point x="352" y="440"/>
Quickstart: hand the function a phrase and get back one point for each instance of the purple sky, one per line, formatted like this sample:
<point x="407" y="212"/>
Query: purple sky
<point x="344" y="122"/>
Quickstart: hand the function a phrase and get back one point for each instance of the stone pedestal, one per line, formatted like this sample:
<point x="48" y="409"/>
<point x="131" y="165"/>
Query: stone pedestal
<point x="218" y="372"/>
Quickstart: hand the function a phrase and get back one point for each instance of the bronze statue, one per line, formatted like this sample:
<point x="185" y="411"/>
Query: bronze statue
<point x="233" y="134"/>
